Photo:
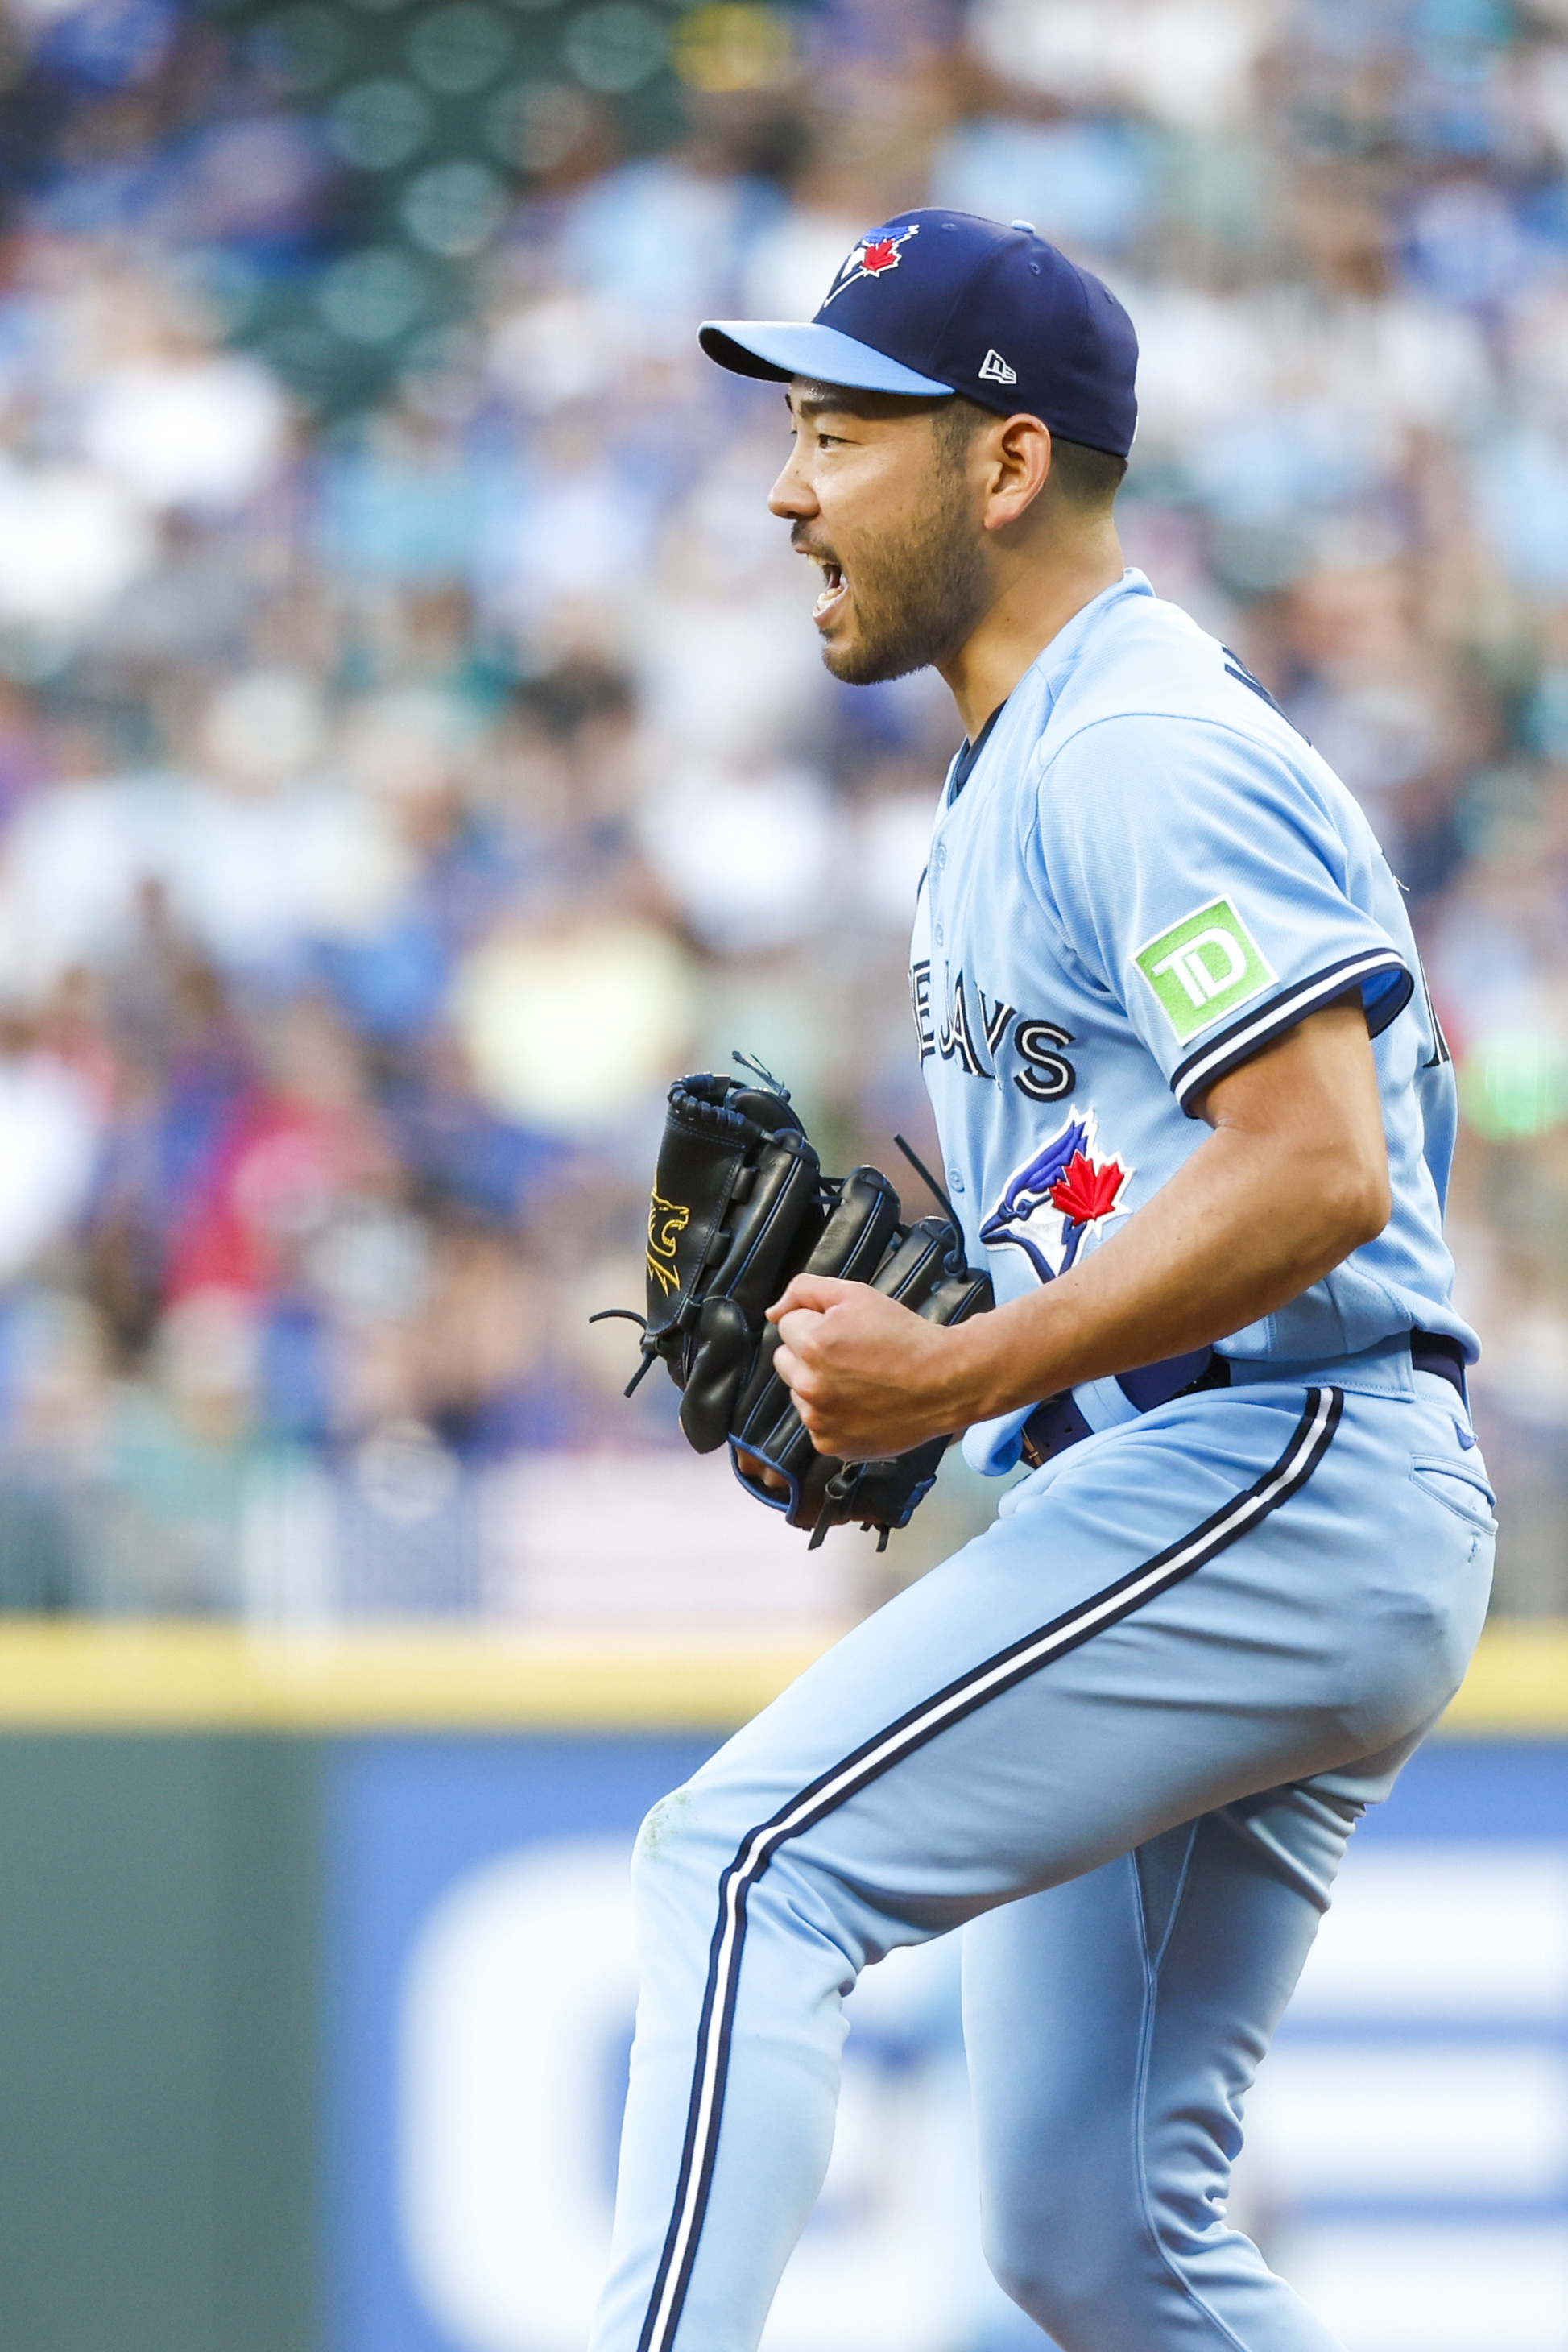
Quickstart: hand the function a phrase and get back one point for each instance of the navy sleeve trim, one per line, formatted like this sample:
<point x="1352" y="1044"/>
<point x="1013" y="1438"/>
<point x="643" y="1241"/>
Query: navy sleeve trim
<point x="1255" y="1030"/>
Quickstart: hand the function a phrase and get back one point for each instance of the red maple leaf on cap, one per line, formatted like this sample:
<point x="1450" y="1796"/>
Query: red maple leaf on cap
<point x="1086" y="1189"/>
<point x="883" y="255"/>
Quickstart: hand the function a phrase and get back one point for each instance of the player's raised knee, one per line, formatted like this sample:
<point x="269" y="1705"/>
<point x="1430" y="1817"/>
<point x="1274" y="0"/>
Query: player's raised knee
<point x="689" y="1829"/>
<point x="663" y="1829"/>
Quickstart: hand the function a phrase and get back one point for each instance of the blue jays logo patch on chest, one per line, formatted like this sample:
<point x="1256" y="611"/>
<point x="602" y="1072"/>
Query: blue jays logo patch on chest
<point x="1063" y="1190"/>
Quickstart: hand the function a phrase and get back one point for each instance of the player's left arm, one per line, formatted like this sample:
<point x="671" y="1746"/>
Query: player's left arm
<point x="1293" y="1179"/>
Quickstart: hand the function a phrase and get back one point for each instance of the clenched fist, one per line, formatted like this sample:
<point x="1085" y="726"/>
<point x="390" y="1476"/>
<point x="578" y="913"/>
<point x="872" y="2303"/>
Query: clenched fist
<point x="869" y="1378"/>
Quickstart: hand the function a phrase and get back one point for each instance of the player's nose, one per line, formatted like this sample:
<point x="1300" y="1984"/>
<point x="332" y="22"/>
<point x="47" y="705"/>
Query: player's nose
<point x="792" y="496"/>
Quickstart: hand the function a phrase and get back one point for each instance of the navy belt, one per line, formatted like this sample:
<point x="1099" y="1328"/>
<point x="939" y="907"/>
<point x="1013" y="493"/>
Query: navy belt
<point x="1058" y="1423"/>
<point x="1436" y="1352"/>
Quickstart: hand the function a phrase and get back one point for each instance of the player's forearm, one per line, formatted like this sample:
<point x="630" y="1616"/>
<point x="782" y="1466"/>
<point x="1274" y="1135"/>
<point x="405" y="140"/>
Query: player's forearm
<point x="1245" y="1226"/>
<point x="1294" y="1178"/>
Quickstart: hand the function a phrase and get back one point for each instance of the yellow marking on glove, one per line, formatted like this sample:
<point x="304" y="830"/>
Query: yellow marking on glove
<point x="662" y="1239"/>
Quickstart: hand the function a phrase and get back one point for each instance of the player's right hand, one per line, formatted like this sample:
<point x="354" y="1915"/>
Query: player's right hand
<point x="870" y="1377"/>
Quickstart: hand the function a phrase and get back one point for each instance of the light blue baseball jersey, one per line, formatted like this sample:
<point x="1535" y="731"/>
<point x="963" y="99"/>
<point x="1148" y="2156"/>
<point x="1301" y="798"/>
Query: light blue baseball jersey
<point x="1139" y="877"/>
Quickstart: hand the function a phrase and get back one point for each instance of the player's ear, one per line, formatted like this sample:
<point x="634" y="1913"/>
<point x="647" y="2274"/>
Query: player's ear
<point x="1020" y="468"/>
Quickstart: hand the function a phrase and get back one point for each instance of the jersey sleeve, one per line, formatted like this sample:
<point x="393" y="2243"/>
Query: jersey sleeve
<point x="1213" y="888"/>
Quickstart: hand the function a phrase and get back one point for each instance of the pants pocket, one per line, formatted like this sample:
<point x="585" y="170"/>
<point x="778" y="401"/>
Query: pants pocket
<point x="1459" y="1489"/>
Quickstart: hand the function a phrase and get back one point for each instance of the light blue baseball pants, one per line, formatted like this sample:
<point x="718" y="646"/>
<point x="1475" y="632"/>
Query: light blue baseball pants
<point x="1121" y="1738"/>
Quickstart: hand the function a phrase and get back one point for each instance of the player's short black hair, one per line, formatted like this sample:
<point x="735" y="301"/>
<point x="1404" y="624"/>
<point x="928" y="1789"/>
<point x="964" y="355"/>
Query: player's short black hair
<point x="1086" y="477"/>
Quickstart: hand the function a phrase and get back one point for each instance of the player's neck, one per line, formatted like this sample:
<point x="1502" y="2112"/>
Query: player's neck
<point x="1038" y="591"/>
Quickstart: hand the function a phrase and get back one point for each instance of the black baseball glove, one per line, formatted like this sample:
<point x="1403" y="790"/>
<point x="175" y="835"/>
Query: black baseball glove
<point x="739" y="1206"/>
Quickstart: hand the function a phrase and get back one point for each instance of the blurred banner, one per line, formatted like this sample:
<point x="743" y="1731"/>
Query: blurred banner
<point x="1407" y="2158"/>
<point x="318" y="2043"/>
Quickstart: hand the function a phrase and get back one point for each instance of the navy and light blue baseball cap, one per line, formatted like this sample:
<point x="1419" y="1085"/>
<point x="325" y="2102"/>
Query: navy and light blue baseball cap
<point x="937" y="302"/>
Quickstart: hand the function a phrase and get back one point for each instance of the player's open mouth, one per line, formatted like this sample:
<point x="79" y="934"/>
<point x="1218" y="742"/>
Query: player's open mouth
<point x="833" y="585"/>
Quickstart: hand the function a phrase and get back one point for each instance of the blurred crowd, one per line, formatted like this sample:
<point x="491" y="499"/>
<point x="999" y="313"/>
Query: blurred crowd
<point x="414" y="748"/>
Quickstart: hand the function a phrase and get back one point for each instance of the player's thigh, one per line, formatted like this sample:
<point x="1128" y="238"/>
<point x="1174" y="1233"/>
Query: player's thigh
<point x="1055" y="2014"/>
<point x="1051" y="1696"/>
<point x="1114" y="2026"/>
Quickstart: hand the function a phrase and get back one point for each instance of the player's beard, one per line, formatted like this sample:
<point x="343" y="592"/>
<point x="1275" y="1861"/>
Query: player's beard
<point x="917" y="597"/>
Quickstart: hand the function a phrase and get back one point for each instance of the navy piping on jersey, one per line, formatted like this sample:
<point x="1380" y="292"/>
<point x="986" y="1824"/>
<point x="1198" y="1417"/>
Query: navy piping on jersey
<point x="1255" y="1030"/>
<point x="1236" y="669"/>
<point x="1308" y="1442"/>
<point x="963" y="764"/>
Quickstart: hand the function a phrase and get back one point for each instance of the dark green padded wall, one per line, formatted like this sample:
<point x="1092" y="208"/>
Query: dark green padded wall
<point x="159" y="1995"/>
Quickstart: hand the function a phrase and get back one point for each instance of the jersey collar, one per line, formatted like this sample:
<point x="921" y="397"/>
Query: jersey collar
<point x="1053" y="661"/>
<point x="958" y="774"/>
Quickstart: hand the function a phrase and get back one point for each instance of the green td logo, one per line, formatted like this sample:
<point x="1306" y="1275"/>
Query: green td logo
<point x="1205" y="966"/>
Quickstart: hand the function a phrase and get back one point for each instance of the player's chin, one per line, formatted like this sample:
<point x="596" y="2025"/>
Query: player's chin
<point x="858" y="655"/>
<point x="845" y="653"/>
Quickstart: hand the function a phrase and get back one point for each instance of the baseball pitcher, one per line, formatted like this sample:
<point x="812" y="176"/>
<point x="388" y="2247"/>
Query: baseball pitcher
<point x="1197" y="1116"/>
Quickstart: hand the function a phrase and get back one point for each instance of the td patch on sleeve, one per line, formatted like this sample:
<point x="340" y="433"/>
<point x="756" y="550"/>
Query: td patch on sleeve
<point x="1207" y="965"/>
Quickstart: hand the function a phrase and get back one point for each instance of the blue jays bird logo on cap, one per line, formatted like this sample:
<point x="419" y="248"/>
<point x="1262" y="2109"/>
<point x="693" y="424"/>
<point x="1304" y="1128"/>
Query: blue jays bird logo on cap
<point x="873" y="256"/>
<point x="1049" y="1204"/>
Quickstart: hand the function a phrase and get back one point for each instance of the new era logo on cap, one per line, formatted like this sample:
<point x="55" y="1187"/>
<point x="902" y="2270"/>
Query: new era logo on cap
<point x="995" y="369"/>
